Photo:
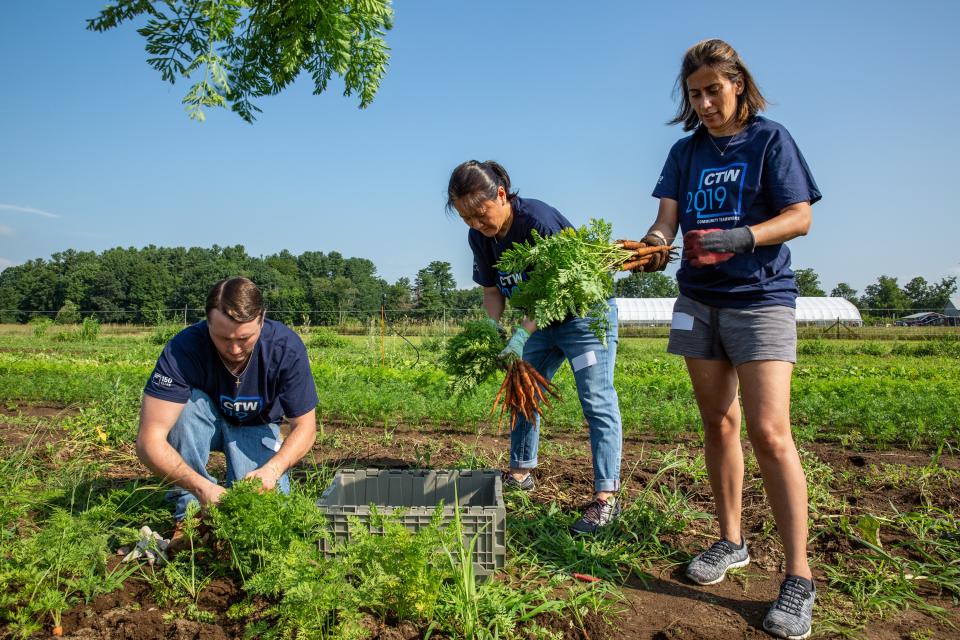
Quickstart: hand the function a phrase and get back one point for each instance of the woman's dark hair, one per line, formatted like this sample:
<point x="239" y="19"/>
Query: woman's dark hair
<point x="722" y="58"/>
<point x="473" y="182"/>
<point x="237" y="298"/>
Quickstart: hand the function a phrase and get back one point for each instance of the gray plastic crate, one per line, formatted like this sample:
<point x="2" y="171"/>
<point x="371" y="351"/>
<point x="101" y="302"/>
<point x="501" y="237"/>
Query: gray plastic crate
<point x="418" y="491"/>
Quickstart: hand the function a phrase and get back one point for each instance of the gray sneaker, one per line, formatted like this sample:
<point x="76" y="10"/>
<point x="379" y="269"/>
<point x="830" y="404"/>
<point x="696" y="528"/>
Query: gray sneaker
<point x="711" y="566"/>
<point x="511" y="483"/>
<point x="597" y="515"/>
<point x="791" y="615"/>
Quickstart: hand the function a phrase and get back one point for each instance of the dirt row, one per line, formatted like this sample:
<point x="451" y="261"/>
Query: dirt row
<point x="663" y="605"/>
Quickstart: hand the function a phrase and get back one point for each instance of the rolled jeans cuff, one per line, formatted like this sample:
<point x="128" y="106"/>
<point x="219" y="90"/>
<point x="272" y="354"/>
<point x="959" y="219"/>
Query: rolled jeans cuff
<point x="611" y="486"/>
<point x="523" y="464"/>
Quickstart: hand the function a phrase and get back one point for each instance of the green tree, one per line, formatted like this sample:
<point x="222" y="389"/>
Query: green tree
<point x="646" y="285"/>
<point x="845" y="291"/>
<point x="9" y="303"/>
<point x="35" y="283"/>
<point x="69" y="313"/>
<point x="471" y="298"/>
<point x="885" y="294"/>
<point x="808" y="283"/>
<point x="930" y="297"/>
<point x="433" y="287"/>
<point x="399" y="295"/>
<point x="240" y="50"/>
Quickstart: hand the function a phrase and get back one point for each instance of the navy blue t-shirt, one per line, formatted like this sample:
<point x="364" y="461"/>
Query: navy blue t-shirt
<point x="276" y="383"/>
<point x="760" y="172"/>
<point x="528" y="214"/>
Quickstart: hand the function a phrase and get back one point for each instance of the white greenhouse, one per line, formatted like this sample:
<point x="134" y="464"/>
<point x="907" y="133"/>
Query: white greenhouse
<point x="657" y="312"/>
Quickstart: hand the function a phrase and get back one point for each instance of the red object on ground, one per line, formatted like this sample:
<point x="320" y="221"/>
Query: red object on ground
<point x="585" y="577"/>
<point x="697" y="255"/>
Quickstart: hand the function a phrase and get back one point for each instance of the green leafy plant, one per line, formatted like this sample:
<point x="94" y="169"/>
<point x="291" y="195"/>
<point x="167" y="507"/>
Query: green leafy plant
<point x="471" y="356"/>
<point x="257" y="526"/>
<point x="89" y="329"/>
<point x="326" y="338"/>
<point x="40" y="574"/>
<point x="69" y="313"/>
<point x="40" y="326"/>
<point x="163" y="332"/>
<point x="570" y="273"/>
<point x="238" y="50"/>
<point x="384" y="569"/>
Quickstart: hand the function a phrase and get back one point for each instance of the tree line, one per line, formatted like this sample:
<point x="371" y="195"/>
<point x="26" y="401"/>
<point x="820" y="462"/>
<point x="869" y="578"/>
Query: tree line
<point x="144" y="285"/>
<point x="883" y="297"/>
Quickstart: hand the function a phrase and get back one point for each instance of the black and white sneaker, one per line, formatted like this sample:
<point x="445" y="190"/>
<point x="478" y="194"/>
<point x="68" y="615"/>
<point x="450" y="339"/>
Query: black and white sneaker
<point x="711" y="566"/>
<point x="511" y="483"/>
<point x="597" y="515"/>
<point x="791" y="615"/>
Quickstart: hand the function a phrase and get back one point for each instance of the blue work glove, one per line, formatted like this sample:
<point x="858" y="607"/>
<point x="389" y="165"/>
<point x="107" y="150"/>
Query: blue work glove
<point x="514" y="349"/>
<point x="738" y="240"/>
<point x="499" y="327"/>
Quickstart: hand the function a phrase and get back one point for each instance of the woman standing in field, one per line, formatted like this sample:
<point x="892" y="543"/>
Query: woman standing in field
<point x="739" y="188"/>
<point x="498" y="218"/>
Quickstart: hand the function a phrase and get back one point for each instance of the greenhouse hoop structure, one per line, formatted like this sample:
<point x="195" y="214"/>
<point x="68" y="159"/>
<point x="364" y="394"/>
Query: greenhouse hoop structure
<point x="657" y="312"/>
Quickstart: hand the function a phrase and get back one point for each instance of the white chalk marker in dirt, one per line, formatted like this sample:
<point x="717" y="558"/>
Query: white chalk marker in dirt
<point x="584" y="360"/>
<point x="271" y="443"/>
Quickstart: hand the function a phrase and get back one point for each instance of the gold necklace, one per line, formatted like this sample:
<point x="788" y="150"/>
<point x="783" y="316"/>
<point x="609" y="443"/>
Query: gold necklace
<point x="239" y="375"/>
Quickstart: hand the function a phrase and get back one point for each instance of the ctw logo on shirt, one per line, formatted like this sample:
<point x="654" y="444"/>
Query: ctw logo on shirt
<point x="719" y="194"/>
<point x="160" y="380"/>
<point x="241" y="407"/>
<point x="507" y="282"/>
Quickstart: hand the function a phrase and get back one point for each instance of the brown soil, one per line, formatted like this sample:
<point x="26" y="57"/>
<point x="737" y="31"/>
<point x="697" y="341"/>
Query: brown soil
<point x="662" y="605"/>
<point x="36" y="424"/>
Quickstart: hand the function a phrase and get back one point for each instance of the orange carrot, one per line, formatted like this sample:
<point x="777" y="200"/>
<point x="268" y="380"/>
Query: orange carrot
<point x="646" y="251"/>
<point x="546" y="384"/>
<point x="531" y="387"/>
<point x="634" y="264"/>
<point x="503" y="388"/>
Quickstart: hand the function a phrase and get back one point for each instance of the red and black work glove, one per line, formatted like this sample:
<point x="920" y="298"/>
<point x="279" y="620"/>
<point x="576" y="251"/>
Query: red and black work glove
<point x="708" y="247"/>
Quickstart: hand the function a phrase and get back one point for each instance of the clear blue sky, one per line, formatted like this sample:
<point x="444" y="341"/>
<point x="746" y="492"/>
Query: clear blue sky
<point x="571" y="97"/>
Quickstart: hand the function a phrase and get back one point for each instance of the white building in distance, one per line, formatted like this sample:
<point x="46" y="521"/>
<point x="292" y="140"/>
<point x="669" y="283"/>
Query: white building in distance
<point x="657" y="312"/>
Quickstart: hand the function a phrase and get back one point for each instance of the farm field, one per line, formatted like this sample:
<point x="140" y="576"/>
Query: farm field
<point x="876" y="422"/>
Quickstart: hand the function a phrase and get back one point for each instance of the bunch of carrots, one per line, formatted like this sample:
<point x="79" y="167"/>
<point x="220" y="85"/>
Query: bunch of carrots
<point x="524" y="390"/>
<point x="642" y="253"/>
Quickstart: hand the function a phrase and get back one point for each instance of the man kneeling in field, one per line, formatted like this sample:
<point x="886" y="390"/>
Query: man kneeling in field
<point x="223" y="385"/>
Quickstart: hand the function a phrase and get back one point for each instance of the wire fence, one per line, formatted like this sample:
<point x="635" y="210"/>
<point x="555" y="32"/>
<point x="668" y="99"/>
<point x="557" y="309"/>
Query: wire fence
<point x="896" y="324"/>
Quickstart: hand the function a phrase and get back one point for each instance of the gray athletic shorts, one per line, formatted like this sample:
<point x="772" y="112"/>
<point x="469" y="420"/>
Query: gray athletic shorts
<point x="737" y="335"/>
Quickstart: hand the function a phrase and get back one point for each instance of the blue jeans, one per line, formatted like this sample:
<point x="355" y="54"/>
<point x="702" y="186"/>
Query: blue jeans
<point x="200" y="429"/>
<point x="592" y="365"/>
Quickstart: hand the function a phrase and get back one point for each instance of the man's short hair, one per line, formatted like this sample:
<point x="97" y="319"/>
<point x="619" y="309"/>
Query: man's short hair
<point x="237" y="298"/>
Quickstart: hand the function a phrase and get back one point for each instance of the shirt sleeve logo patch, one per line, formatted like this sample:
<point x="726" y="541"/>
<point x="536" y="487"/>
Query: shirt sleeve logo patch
<point x="719" y="194"/>
<point x="161" y="381"/>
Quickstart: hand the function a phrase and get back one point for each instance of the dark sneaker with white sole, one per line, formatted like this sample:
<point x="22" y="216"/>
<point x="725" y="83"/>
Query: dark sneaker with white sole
<point x="509" y="482"/>
<point x="711" y="566"/>
<point x="791" y="615"/>
<point x="597" y="515"/>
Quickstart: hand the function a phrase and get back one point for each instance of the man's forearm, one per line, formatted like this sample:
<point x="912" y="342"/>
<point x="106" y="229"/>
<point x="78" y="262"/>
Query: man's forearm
<point x="164" y="461"/>
<point x="303" y="433"/>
